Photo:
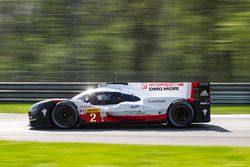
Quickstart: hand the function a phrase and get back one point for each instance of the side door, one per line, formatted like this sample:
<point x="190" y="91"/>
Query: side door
<point x="116" y="104"/>
<point x="132" y="105"/>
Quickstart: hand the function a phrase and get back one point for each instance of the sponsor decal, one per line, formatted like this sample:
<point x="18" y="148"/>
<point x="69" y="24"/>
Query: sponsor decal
<point x="92" y="110"/>
<point x="204" y="112"/>
<point x="156" y="101"/>
<point x="165" y="84"/>
<point x="82" y="112"/>
<point x="204" y="103"/>
<point x="168" y="86"/>
<point x="132" y="113"/>
<point x="162" y="88"/>
<point x="144" y="86"/>
<point x="134" y="106"/>
<point x="90" y="114"/>
<point x="204" y="93"/>
<point x="44" y="111"/>
<point x="155" y="88"/>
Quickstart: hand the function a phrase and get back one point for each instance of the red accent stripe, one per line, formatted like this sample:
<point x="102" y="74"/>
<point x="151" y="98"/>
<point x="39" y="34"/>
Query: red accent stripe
<point x="190" y="100"/>
<point x="144" y="118"/>
<point x="194" y="85"/>
<point x="56" y="101"/>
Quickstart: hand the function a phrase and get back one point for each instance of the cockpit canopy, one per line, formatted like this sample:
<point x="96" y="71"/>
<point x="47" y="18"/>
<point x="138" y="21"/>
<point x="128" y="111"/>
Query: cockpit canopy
<point x="105" y="97"/>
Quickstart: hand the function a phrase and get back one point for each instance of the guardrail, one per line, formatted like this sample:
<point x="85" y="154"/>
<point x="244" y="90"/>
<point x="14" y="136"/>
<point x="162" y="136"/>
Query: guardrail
<point x="230" y="93"/>
<point x="15" y="92"/>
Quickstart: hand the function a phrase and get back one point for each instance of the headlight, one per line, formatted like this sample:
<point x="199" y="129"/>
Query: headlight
<point x="35" y="106"/>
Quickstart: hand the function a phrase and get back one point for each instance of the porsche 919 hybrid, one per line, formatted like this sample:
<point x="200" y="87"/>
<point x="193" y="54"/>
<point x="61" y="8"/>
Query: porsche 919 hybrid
<point x="177" y="103"/>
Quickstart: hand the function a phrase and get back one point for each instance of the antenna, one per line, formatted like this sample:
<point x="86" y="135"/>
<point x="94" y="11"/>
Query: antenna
<point x="116" y="80"/>
<point x="116" y="76"/>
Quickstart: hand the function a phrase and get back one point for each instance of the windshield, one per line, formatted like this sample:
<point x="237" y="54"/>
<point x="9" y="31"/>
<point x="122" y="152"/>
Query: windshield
<point x="80" y="96"/>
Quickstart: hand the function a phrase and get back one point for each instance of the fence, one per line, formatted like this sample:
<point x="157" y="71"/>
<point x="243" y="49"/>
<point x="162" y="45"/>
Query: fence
<point x="230" y="93"/>
<point x="15" y="92"/>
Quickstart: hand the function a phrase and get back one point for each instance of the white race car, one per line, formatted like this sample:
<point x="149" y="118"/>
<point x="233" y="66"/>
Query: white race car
<point x="179" y="104"/>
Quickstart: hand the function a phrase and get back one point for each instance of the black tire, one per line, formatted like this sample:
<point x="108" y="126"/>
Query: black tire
<point x="64" y="115"/>
<point x="181" y="114"/>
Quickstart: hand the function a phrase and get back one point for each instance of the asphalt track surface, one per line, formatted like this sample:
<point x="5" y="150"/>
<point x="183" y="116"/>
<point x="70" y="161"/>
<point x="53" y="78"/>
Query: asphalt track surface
<point x="223" y="130"/>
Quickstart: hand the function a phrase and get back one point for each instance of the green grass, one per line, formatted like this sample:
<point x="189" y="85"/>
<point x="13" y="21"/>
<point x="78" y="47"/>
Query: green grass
<point x="23" y="108"/>
<point x="107" y="155"/>
<point x="230" y="109"/>
<point x="14" y="108"/>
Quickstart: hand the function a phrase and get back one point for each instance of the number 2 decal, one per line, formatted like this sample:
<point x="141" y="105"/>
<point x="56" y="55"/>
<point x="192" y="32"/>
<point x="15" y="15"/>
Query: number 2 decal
<point x="93" y="116"/>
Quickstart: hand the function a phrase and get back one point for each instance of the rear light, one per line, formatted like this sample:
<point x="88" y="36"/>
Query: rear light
<point x="195" y="90"/>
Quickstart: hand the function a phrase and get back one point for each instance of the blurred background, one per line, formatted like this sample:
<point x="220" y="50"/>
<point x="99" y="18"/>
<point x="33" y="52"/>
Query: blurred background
<point x="146" y="40"/>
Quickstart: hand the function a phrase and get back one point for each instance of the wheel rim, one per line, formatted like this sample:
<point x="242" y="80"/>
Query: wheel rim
<point x="64" y="116"/>
<point x="181" y="116"/>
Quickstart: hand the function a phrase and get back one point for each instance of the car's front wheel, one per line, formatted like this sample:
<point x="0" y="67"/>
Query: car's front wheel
<point x="181" y="114"/>
<point x="64" y="115"/>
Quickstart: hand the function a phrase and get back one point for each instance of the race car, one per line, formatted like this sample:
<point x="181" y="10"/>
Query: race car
<point x="177" y="103"/>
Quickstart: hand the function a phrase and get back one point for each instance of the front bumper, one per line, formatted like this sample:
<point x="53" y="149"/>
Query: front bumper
<point x="38" y="122"/>
<point x="39" y="114"/>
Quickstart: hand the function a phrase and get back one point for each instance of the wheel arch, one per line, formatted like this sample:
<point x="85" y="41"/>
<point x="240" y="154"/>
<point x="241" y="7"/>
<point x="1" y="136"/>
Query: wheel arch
<point x="67" y="102"/>
<point x="179" y="101"/>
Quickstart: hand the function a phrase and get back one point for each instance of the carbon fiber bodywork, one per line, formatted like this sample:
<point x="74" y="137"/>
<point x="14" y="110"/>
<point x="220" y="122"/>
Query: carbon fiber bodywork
<point x="202" y="104"/>
<point x="39" y="113"/>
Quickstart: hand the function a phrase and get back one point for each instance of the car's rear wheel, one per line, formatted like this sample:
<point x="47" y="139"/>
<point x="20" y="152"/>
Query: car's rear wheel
<point x="181" y="114"/>
<point x="64" y="115"/>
